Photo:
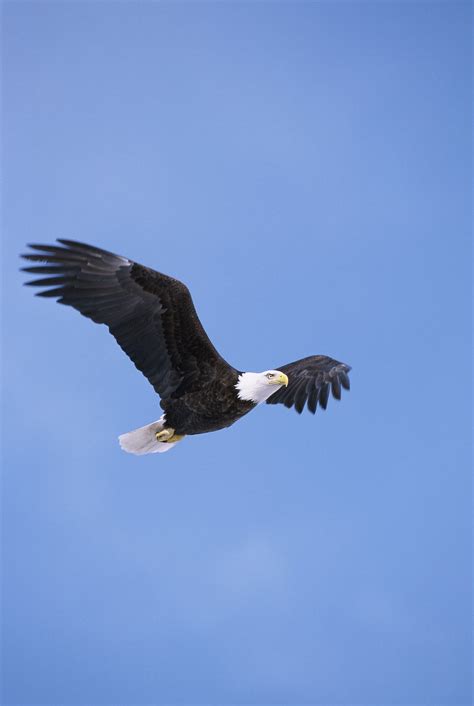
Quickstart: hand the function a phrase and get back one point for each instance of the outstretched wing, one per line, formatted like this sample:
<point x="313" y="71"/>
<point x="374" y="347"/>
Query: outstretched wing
<point x="310" y="380"/>
<point x="151" y="316"/>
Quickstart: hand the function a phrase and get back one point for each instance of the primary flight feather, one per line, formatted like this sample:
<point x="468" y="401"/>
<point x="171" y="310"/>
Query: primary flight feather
<point x="153" y="319"/>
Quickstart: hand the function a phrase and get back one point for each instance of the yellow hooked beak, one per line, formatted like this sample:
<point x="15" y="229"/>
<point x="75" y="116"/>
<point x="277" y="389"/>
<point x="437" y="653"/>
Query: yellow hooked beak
<point x="283" y="380"/>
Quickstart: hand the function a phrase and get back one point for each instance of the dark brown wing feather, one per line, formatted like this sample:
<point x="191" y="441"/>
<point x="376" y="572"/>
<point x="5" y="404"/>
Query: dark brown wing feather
<point x="310" y="381"/>
<point x="151" y="315"/>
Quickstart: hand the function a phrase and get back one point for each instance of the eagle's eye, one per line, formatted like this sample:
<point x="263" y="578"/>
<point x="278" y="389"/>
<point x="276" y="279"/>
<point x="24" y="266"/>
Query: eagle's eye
<point x="270" y="375"/>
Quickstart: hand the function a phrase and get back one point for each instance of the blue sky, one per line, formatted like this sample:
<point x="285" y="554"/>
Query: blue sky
<point x="304" y="168"/>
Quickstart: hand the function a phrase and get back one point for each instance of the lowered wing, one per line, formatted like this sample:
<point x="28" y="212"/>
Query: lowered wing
<point x="310" y="380"/>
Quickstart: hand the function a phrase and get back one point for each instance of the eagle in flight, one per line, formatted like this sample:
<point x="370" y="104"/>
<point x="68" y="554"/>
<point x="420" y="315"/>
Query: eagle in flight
<point x="153" y="319"/>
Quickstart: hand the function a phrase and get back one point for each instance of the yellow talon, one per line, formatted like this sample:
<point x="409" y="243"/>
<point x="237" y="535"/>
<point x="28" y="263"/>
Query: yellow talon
<point x="168" y="436"/>
<point x="164" y="435"/>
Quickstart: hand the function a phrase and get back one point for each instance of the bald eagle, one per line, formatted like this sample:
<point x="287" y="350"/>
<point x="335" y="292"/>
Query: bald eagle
<point x="153" y="319"/>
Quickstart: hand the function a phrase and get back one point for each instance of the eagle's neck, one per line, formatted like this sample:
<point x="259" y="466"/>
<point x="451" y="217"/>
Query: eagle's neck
<point x="252" y="387"/>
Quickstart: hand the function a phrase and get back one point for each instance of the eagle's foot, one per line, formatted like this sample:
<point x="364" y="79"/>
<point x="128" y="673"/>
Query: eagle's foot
<point x="168" y="436"/>
<point x="165" y="435"/>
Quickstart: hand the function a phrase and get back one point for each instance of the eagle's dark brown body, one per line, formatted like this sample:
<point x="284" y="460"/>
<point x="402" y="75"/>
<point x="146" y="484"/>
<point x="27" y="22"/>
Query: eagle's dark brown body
<point x="214" y="407"/>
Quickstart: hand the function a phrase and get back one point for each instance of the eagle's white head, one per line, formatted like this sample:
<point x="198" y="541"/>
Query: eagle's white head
<point x="258" y="387"/>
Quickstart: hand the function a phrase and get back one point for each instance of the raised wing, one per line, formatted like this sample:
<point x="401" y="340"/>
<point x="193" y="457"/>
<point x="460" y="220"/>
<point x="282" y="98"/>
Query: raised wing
<point x="151" y="315"/>
<point x="309" y="381"/>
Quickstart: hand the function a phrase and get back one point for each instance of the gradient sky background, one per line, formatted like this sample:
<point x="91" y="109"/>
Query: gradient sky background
<point x="304" y="168"/>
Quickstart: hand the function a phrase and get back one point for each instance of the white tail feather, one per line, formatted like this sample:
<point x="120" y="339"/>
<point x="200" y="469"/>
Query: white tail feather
<point x="143" y="440"/>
